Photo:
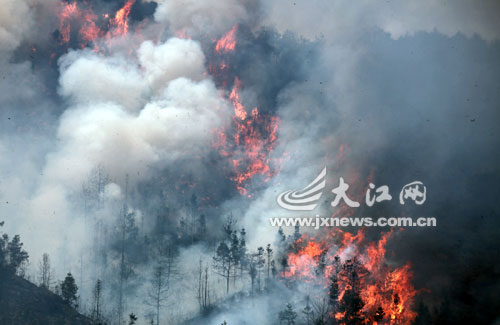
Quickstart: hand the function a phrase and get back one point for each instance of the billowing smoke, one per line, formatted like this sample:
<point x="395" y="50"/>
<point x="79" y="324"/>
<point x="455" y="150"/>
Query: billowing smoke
<point x="207" y="18"/>
<point x="133" y="108"/>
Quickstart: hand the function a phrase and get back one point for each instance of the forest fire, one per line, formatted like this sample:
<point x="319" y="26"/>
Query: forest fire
<point x="121" y="19"/>
<point x="239" y="109"/>
<point x="83" y="23"/>
<point x="301" y="265"/>
<point x="352" y="269"/>
<point x="156" y="155"/>
<point x="250" y="146"/>
<point x="70" y="12"/>
<point x="228" y="42"/>
<point x="250" y="141"/>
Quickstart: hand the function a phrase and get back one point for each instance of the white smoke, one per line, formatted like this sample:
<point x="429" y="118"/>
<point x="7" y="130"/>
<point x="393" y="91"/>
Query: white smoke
<point x="131" y="116"/>
<point x="15" y="23"/>
<point x="136" y="113"/>
<point x="18" y="19"/>
<point x="174" y="59"/>
<point x="205" y="17"/>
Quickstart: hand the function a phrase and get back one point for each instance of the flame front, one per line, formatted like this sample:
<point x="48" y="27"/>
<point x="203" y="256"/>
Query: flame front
<point x="250" y="141"/>
<point x="121" y="18"/>
<point x="387" y="293"/>
<point x="228" y="42"/>
<point x="88" y="26"/>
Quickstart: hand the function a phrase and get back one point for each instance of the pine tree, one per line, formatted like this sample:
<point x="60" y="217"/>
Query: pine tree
<point x="235" y="253"/>
<point x="69" y="290"/>
<point x="352" y="304"/>
<point x="17" y="255"/>
<point x="4" y="239"/>
<point x="96" y="313"/>
<point x="243" y="251"/>
<point x="223" y="263"/>
<point x="269" y="254"/>
<point x="288" y="315"/>
<point x="229" y="226"/>
<point x="308" y="312"/>
<point x="296" y="233"/>
<point x="333" y="295"/>
<point x="261" y="262"/>
<point x="280" y="238"/>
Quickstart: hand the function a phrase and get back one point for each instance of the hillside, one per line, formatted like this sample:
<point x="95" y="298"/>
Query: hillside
<point x="22" y="302"/>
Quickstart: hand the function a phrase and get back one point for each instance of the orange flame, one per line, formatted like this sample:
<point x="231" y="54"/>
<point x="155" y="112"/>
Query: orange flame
<point x="86" y="22"/>
<point x="228" y="42"/>
<point x="257" y="147"/>
<point x="379" y="287"/>
<point x="239" y="109"/>
<point x="253" y="135"/>
<point x="68" y="11"/>
<point x="89" y="30"/>
<point x="121" y="19"/>
<point x="303" y="263"/>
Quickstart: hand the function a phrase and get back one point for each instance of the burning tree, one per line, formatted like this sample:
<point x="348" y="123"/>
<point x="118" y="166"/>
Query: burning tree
<point x="350" y="304"/>
<point x="360" y="286"/>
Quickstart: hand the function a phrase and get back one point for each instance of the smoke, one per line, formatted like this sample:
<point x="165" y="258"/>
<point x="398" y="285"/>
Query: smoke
<point x="87" y="79"/>
<point x="407" y="96"/>
<point x="128" y="118"/>
<point x="211" y="18"/>
<point x="343" y="20"/>
<point x="399" y="91"/>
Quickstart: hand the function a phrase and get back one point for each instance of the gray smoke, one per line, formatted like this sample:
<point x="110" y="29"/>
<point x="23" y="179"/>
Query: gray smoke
<point x="409" y="91"/>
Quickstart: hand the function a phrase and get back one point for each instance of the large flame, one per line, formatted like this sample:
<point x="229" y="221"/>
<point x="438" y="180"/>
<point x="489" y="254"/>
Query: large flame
<point x="249" y="142"/>
<point x="85" y="18"/>
<point x="380" y="286"/>
<point x="302" y="265"/>
<point x="121" y="18"/>
<point x="228" y="42"/>
<point x="88" y="26"/>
